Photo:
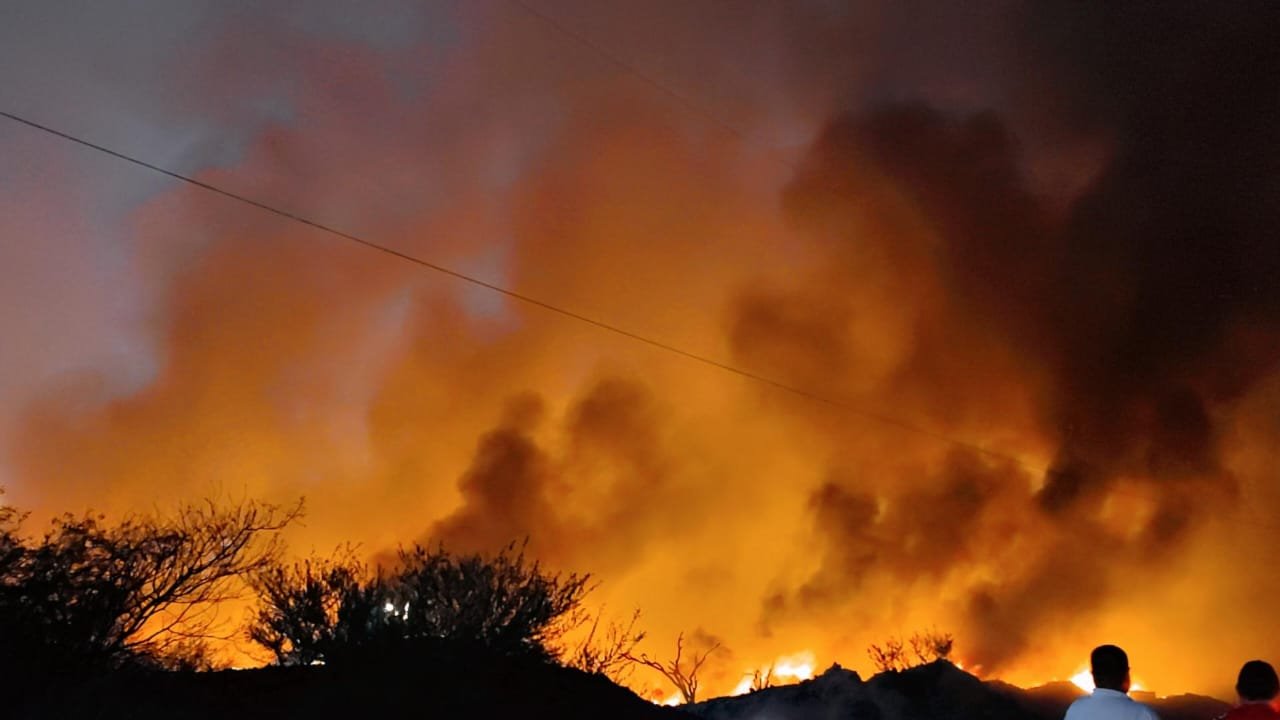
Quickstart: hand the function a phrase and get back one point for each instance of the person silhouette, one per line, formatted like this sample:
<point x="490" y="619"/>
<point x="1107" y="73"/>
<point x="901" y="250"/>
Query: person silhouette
<point x="1257" y="686"/>
<point x="1110" y="699"/>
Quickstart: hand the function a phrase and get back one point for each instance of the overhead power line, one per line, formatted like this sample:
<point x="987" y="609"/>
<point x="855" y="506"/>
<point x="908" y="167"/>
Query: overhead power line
<point x="528" y="299"/>
<point x="684" y="101"/>
<point x="884" y="419"/>
<point x="706" y="114"/>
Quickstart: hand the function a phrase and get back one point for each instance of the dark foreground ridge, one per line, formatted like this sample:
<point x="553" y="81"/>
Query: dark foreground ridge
<point x="937" y="691"/>
<point x="463" y="685"/>
<point x="447" y="687"/>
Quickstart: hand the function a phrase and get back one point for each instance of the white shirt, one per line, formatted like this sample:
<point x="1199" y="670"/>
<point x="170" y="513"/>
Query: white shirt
<point x="1106" y="704"/>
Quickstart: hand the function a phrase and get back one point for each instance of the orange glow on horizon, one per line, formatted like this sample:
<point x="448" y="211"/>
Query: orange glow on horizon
<point x="1084" y="680"/>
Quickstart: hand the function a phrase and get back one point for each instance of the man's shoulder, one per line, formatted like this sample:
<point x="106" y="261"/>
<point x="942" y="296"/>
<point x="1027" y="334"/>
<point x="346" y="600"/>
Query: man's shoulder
<point x="1080" y="707"/>
<point x="1109" y="707"/>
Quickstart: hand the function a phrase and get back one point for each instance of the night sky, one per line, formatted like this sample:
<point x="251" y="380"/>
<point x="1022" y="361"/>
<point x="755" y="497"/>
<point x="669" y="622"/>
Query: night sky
<point x="1012" y="263"/>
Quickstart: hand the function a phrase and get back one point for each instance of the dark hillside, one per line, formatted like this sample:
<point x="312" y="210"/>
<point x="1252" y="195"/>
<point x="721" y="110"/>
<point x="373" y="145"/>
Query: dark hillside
<point x="446" y="687"/>
<point x="937" y="691"/>
<point x="1050" y="701"/>
<point x="462" y="685"/>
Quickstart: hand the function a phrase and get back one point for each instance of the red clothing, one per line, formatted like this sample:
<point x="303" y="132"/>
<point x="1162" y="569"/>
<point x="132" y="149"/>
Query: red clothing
<point x="1252" y="711"/>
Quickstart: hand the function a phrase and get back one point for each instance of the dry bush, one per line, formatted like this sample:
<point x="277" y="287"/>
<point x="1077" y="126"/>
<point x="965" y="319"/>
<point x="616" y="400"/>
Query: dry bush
<point x="921" y="648"/>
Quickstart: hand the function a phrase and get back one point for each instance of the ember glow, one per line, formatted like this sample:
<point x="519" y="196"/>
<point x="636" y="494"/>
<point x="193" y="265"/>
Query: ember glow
<point x="1025" y="263"/>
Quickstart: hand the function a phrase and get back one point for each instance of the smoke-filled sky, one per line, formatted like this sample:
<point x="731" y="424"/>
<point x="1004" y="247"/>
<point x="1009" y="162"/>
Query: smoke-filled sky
<point x="1042" y="229"/>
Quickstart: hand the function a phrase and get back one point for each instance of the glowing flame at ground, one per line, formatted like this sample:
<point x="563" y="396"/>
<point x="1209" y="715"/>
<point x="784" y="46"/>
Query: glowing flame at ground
<point x="1084" y="681"/>
<point x="786" y="670"/>
<point x="672" y="700"/>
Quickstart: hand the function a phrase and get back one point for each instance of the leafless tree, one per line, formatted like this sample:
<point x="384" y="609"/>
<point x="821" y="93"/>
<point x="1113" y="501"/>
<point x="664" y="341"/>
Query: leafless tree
<point x="92" y="594"/>
<point x="185" y="567"/>
<point x="680" y="671"/>
<point x="606" y="651"/>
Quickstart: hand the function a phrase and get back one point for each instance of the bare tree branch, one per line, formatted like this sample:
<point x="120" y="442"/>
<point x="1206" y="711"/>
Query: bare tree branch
<point x="609" y="651"/>
<point x="683" y="674"/>
<point x="93" y="594"/>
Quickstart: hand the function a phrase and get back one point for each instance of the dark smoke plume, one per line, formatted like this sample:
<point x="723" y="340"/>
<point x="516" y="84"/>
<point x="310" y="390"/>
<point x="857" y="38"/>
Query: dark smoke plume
<point x="1149" y="307"/>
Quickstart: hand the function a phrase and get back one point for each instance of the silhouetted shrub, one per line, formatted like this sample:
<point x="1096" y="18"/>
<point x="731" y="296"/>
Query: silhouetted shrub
<point x="188" y="655"/>
<point x="503" y="602"/>
<point x="321" y="610"/>
<point x="333" y="611"/>
<point x="90" y="596"/>
<point x="931" y="645"/>
<point x="925" y="647"/>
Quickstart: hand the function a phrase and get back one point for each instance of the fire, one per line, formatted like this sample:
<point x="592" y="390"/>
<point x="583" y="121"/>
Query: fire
<point x="661" y="695"/>
<point x="795" y="667"/>
<point x="786" y="670"/>
<point x="1084" y="680"/>
<point x="669" y="701"/>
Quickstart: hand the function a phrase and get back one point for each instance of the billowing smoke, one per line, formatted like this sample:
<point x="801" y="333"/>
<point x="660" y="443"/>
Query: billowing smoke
<point x="1136" y="318"/>
<point x="1026" y="249"/>
<point x="591" y="502"/>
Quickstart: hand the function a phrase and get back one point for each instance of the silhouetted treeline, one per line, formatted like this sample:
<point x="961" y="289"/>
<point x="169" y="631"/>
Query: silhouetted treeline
<point x="89" y="599"/>
<point x="340" y="610"/>
<point x="88" y="596"/>
<point x="94" y="615"/>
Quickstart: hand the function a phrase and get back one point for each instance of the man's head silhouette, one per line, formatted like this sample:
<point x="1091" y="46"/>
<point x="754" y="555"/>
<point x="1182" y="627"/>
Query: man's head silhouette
<point x="1110" y="667"/>
<point x="1257" y="682"/>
